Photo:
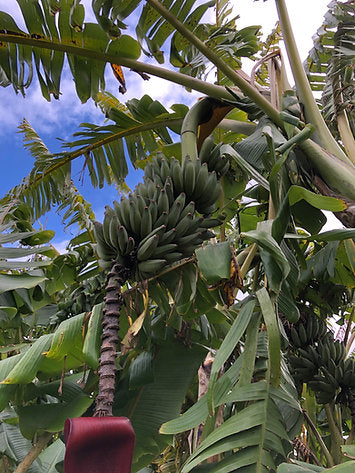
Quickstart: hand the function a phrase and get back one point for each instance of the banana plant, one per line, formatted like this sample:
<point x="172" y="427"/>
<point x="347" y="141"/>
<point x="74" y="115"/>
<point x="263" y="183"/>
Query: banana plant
<point x="278" y="394"/>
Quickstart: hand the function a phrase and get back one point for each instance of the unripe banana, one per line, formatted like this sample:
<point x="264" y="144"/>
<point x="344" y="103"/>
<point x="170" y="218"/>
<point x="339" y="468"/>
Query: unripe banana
<point x="183" y="226"/>
<point x="201" y="182"/>
<point x="295" y="339"/>
<point x="189" y="208"/>
<point x="163" y="202"/>
<point x="164" y="170"/>
<point x="177" y="177"/>
<point x="173" y="257"/>
<point x="146" y="222"/>
<point x="150" y="267"/>
<point x="146" y="249"/>
<point x="206" y="149"/>
<point x="193" y="239"/>
<point x="164" y="250"/>
<point x="161" y="220"/>
<point x="302" y="334"/>
<point x="189" y="177"/>
<point x="114" y="224"/>
<point x="122" y="240"/>
<point x="175" y="210"/>
<point x="153" y="208"/>
<point x="168" y="236"/>
<point x="134" y="218"/>
<point x="160" y="231"/>
<point x="169" y="191"/>
<point x="125" y="213"/>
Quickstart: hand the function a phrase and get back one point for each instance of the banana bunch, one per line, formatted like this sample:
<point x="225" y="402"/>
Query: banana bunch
<point x="211" y="155"/>
<point x="348" y="379"/>
<point x="331" y="351"/>
<point x="307" y="332"/>
<point x="157" y="224"/>
<point x="306" y="365"/>
<point x="192" y="177"/>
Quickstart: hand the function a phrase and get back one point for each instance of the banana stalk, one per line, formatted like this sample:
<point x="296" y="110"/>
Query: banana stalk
<point x="116" y="278"/>
<point x="304" y="90"/>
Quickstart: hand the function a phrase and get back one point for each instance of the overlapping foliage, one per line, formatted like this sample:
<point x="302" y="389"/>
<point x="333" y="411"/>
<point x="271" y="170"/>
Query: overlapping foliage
<point x="278" y="394"/>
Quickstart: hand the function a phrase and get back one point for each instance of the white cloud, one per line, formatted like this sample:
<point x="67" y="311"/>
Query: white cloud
<point x="61" y="246"/>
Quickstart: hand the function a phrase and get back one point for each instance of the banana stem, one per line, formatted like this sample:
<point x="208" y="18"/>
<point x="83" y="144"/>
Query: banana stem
<point x="116" y="278"/>
<point x="336" y="438"/>
<point x="189" y="128"/>
<point x="304" y="90"/>
<point x="235" y="76"/>
<point x="329" y="458"/>
<point x="248" y="260"/>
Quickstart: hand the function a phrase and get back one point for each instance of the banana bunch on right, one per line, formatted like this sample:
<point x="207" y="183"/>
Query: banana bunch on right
<point x="307" y="332"/>
<point x="320" y="362"/>
<point x="158" y="223"/>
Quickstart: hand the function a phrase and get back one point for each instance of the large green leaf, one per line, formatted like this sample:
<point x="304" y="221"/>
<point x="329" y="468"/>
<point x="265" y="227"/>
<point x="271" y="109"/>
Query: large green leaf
<point x="27" y="367"/>
<point x="275" y="263"/>
<point x="230" y="341"/>
<point x="274" y="346"/>
<point x="214" y="261"/>
<point x="67" y="339"/>
<point x="91" y="348"/>
<point x="174" y="367"/>
<point x="9" y="282"/>
<point x="37" y="418"/>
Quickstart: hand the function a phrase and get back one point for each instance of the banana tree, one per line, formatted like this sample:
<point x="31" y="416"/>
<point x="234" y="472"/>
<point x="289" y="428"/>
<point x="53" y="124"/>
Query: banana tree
<point x="280" y="387"/>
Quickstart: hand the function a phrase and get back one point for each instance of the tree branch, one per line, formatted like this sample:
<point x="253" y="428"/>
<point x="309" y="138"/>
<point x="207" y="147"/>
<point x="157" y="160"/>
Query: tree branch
<point x="33" y="453"/>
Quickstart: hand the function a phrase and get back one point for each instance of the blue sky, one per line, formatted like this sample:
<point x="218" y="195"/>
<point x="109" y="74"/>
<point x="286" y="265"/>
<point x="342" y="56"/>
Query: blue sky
<point x="60" y="118"/>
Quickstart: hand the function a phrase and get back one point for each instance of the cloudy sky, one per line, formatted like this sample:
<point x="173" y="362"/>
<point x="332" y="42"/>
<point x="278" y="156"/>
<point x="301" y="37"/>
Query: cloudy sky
<point x="60" y="118"/>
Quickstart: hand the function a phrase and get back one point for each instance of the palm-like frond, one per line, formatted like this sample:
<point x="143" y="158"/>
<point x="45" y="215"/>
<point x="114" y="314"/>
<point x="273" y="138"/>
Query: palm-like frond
<point x="330" y="65"/>
<point x="63" y="25"/>
<point x="141" y="128"/>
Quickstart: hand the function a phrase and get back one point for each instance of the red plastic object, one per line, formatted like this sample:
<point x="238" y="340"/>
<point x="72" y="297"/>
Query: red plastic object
<point x="98" y="444"/>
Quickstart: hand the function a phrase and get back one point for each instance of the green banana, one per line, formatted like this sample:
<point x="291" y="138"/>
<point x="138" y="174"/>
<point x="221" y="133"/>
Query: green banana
<point x="173" y="257"/>
<point x="201" y="182"/>
<point x="164" y="169"/>
<point x="122" y="240"/>
<point x="146" y="223"/>
<point x="151" y="266"/>
<point x="153" y="208"/>
<point x="114" y="232"/>
<point x="322" y="386"/>
<point x="302" y="334"/>
<point x="177" y="176"/>
<point x="141" y="203"/>
<point x="169" y="191"/>
<point x="130" y="245"/>
<point x="146" y="249"/>
<point x="211" y="222"/>
<point x="168" y="236"/>
<point x="192" y="239"/>
<point x="175" y="210"/>
<point x="163" y="202"/>
<point x="296" y="341"/>
<point x="161" y="220"/>
<point x="134" y="217"/>
<point x="156" y="231"/>
<point x="206" y="149"/>
<point x="183" y="226"/>
<point x="189" y="176"/>
<point x="162" y="251"/>
<point x="125" y="213"/>
<point x="189" y="208"/>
